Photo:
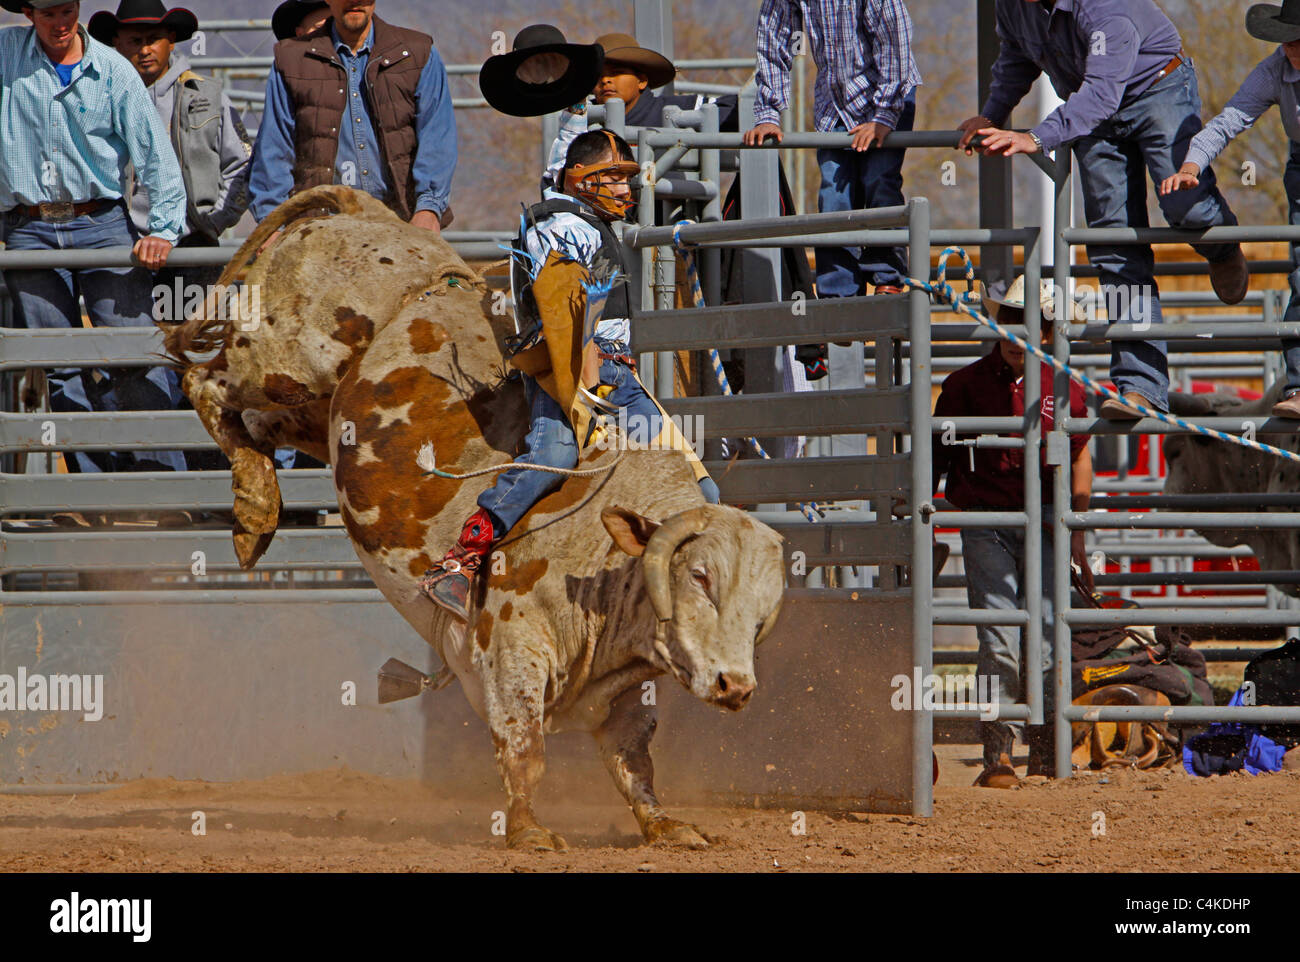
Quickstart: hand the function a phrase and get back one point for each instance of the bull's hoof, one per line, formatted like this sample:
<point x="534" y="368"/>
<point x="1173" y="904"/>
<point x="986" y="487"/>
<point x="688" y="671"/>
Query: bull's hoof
<point x="257" y="491"/>
<point x="249" y="547"/>
<point x="671" y="832"/>
<point x="537" y="839"/>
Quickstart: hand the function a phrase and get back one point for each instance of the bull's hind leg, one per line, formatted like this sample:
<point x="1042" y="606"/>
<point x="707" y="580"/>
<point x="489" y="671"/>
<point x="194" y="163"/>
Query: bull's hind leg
<point x="256" y="489"/>
<point x="515" y="692"/>
<point x="624" y="743"/>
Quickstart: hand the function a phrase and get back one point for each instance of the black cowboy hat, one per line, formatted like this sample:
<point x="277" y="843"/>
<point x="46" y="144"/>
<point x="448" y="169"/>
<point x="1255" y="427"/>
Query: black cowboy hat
<point x="287" y="16"/>
<point x="103" y="26"/>
<point x="1268" y="21"/>
<point x="523" y="83"/>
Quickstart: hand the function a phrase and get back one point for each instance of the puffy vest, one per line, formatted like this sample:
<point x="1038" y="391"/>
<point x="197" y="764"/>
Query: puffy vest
<point x="527" y="319"/>
<point x="312" y="74"/>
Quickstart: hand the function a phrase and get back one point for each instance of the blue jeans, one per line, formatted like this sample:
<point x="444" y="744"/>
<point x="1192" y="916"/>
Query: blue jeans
<point x="1291" y="345"/>
<point x="995" y="579"/>
<point x="861" y="181"/>
<point x="550" y="441"/>
<point x="1153" y="133"/>
<point x="115" y="297"/>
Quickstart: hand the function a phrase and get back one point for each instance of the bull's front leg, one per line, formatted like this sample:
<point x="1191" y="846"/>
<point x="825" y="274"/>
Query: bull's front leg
<point x="515" y="698"/>
<point x="624" y="743"/>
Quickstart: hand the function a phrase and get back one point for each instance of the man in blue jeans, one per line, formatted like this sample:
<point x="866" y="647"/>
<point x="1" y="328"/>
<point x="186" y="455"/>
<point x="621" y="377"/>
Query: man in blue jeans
<point x="993" y="479"/>
<point x="72" y="114"/>
<point x="866" y="78"/>
<point x="574" y="222"/>
<point x="1131" y="102"/>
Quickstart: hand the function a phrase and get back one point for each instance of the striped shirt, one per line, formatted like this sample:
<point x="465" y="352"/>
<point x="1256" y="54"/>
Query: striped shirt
<point x="73" y="143"/>
<point x="1274" y="81"/>
<point x="863" y="52"/>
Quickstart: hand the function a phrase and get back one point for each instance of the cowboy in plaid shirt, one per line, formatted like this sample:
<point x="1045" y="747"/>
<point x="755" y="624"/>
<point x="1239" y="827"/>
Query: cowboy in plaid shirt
<point x="866" y="80"/>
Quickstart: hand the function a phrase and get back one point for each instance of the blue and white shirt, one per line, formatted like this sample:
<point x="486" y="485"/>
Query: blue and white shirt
<point x="73" y="142"/>
<point x="1273" y="81"/>
<point x="863" y="52"/>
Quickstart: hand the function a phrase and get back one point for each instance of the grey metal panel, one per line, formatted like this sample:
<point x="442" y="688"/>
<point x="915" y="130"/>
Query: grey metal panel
<point x="763" y="325"/>
<point x="821" y="412"/>
<point x="88" y="347"/>
<point x="141" y="430"/>
<point x="829" y="479"/>
<point x="117" y="550"/>
<point x="205" y="490"/>
<point x="848" y="544"/>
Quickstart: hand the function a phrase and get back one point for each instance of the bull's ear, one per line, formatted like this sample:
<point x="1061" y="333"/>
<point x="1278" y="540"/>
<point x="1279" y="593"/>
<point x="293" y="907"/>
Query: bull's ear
<point x="630" y="531"/>
<point x="1190" y="405"/>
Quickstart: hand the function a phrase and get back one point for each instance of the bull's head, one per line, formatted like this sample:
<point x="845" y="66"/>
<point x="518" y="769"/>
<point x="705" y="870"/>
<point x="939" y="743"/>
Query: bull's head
<point x="715" y="579"/>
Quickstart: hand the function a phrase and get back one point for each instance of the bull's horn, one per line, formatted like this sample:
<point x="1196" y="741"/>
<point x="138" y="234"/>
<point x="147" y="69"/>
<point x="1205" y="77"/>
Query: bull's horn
<point x="659" y="552"/>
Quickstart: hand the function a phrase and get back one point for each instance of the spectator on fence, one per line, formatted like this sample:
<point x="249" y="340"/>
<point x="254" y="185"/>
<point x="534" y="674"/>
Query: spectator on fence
<point x="1131" y="101"/>
<point x="209" y="138"/>
<point x="634" y="74"/>
<point x="72" y="115"/>
<point x="1274" y="81"/>
<point x="866" y="80"/>
<point x="983" y="479"/>
<point x="362" y="103"/>
<point x="297" y="18"/>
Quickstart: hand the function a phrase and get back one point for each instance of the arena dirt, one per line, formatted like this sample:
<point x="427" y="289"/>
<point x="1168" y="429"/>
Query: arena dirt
<point x="344" y="821"/>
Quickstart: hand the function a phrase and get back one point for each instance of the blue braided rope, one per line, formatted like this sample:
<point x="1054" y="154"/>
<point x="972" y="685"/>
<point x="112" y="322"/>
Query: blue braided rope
<point x="961" y="305"/>
<point x="811" y="511"/>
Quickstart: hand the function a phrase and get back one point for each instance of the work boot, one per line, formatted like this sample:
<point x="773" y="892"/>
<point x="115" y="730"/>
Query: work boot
<point x="1230" y="277"/>
<point x="1000" y="774"/>
<point x="448" y="583"/>
<point x="1288" y="407"/>
<point x="1113" y="410"/>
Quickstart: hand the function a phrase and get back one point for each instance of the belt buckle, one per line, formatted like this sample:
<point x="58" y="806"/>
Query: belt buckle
<point x="57" y="212"/>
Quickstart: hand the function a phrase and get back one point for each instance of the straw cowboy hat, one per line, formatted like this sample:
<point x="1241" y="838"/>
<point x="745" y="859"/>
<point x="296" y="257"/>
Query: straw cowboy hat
<point x="287" y="16"/>
<point x="103" y="26"/>
<point x="1268" y="21"/>
<point x="542" y="74"/>
<point x="999" y="294"/>
<point x="622" y="48"/>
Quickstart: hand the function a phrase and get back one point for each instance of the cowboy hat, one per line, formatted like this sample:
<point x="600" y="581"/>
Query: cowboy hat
<point x="542" y="74"/>
<point x="103" y="26"/>
<point x="1268" y="21"/>
<point x="287" y="16"/>
<point x="1000" y="294"/>
<point x="622" y="48"/>
<point x="16" y="6"/>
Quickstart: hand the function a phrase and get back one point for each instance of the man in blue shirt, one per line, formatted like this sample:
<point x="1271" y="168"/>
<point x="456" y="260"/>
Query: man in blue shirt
<point x="73" y="114"/>
<point x="1131" y="101"/>
<point x="362" y="103"/>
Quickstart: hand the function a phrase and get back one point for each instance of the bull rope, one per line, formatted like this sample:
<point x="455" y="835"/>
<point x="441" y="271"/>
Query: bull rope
<point x="425" y="461"/>
<point x="960" y="304"/>
<point x="812" y="511"/>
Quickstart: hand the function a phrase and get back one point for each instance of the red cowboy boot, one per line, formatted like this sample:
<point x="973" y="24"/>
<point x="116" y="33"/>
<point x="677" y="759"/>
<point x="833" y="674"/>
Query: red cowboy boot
<point x="448" y="583"/>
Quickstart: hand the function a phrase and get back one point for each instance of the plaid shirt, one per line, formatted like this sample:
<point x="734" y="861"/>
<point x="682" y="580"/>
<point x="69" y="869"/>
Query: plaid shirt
<point x="73" y="143"/>
<point x="863" y="52"/>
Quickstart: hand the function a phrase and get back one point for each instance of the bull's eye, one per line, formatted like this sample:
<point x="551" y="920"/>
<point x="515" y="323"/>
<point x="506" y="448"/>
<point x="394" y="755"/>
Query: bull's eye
<point x="701" y="576"/>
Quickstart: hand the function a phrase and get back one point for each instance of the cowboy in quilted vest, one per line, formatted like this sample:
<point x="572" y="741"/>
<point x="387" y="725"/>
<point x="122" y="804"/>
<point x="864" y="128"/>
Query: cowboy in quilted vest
<point x="362" y="103"/>
<point x="1275" y="81"/>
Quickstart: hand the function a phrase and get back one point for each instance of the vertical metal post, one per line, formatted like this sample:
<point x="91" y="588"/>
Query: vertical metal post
<point x="918" y="225"/>
<point x="645" y="217"/>
<point x="709" y="259"/>
<point x="666" y="299"/>
<point x="652" y="24"/>
<point x="615" y="116"/>
<point x="996" y="188"/>
<point x="1031" y="639"/>
<point x="1061" y="485"/>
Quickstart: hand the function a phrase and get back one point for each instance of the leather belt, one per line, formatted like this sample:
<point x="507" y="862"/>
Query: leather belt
<point x="1173" y="65"/>
<point x="58" y="212"/>
<point x="627" y="359"/>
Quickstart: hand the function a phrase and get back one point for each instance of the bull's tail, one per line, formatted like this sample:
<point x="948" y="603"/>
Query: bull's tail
<point x="209" y="329"/>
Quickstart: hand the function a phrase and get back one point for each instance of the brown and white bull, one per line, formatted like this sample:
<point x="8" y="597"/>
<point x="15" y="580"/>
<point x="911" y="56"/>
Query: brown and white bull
<point x="375" y="341"/>
<point x="1200" y="465"/>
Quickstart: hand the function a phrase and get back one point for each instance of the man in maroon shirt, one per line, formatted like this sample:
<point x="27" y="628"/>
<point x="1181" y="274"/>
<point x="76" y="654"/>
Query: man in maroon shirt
<point x="993" y="479"/>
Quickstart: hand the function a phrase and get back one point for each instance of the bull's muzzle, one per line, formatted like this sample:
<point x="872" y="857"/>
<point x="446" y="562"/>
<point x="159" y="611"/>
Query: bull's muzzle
<point x="731" y="692"/>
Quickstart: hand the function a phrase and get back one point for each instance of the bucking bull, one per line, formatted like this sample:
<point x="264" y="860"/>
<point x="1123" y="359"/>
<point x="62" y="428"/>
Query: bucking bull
<point x="374" y="341"/>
